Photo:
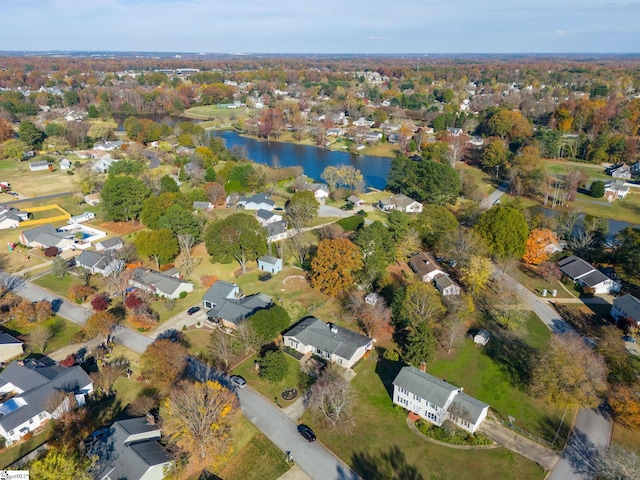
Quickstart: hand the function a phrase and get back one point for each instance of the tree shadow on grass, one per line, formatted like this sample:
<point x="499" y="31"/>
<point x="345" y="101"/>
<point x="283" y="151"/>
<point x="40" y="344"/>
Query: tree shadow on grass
<point x="548" y="425"/>
<point x="382" y="466"/>
<point x="514" y="356"/>
<point x="387" y="370"/>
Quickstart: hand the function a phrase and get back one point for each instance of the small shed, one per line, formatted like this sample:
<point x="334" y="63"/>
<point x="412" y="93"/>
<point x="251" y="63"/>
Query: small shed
<point x="372" y="298"/>
<point x="83" y="217"/>
<point x="270" y="264"/>
<point x="65" y="164"/>
<point x="482" y="337"/>
<point x="355" y="201"/>
<point x="41" y="165"/>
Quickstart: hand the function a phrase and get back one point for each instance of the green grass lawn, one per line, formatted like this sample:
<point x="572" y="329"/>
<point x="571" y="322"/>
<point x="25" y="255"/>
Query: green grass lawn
<point x="269" y="390"/>
<point x="59" y="286"/>
<point x="254" y="457"/>
<point x="537" y="284"/>
<point x="625" y="210"/>
<point x="10" y="455"/>
<point x="381" y="439"/>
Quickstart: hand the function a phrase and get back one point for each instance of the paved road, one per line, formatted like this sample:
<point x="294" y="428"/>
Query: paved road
<point x="313" y="458"/>
<point x="492" y="199"/>
<point x="154" y="161"/>
<point x="44" y="197"/>
<point x="592" y="431"/>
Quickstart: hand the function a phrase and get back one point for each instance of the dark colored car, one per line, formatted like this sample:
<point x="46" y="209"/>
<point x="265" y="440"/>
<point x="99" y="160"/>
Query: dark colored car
<point x="95" y="436"/>
<point x="238" y="381"/>
<point x="279" y="209"/>
<point x="193" y="310"/>
<point x="307" y="433"/>
<point x="629" y="338"/>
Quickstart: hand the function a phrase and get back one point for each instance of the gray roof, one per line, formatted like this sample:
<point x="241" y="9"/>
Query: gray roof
<point x="313" y="331"/>
<point x="43" y="232"/>
<point x="121" y="458"/>
<point x="6" y="339"/>
<point x="276" y="228"/>
<point x="594" y="278"/>
<point x="467" y="407"/>
<point x="160" y="282"/>
<point x="39" y="383"/>
<point x="269" y="260"/>
<point x="443" y="281"/>
<point x="111" y="242"/>
<point x="265" y="214"/>
<point x="40" y="163"/>
<point x="399" y="201"/>
<point x="92" y="259"/>
<point x="13" y="214"/>
<point x="202" y="205"/>
<point x="257" y="199"/>
<point x="630" y="305"/>
<point x="425" y="386"/>
<point x="230" y="308"/>
<point x="422" y="263"/>
<point x="353" y="199"/>
<point x="574" y="267"/>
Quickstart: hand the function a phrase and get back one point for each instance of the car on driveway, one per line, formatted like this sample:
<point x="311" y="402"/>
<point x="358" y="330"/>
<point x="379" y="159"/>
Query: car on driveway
<point x="307" y="433"/>
<point x="95" y="436"/>
<point x="238" y="381"/>
<point x="629" y="338"/>
<point x="193" y="310"/>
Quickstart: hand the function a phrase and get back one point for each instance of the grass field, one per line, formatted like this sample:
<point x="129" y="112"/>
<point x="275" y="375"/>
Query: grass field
<point x="64" y="331"/>
<point x="537" y="284"/>
<point x="10" y="455"/>
<point x="35" y="184"/>
<point x="626" y="438"/>
<point x="382" y="443"/>
<point x="59" y="286"/>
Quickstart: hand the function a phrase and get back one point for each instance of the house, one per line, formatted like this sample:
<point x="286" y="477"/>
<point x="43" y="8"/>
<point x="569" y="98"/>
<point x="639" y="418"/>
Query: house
<point x="270" y="264"/>
<point x="328" y="341"/>
<point x="355" y="201"/>
<point x="83" y="217"/>
<point x="46" y="236"/>
<point x="615" y="189"/>
<point x="276" y="231"/>
<point x="372" y="136"/>
<point x="626" y="308"/>
<point x="586" y="275"/>
<point x="109" y="146"/>
<point x="372" y="298"/>
<point x="635" y="169"/>
<point x="41" y="165"/>
<point x="482" y="337"/>
<point x="28" y="387"/>
<point x="454" y="132"/>
<point x="400" y="202"/>
<point x="99" y="262"/>
<point x="436" y="400"/>
<point x="226" y="304"/>
<point x="131" y="450"/>
<point x="335" y="132"/>
<point x="265" y="217"/>
<point x="164" y="284"/>
<point x="11" y="217"/>
<point x="259" y="201"/>
<point x="103" y="164"/>
<point x="446" y="286"/>
<point x="10" y="347"/>
<point x="620" y="170"/>
<point x="320" y="191"/>
<point x="202" y="205"/>
<point x="65" y="164"/>
<point x="363" y="122"/>
<point x="425" y="266"/>
<point x="92" y="199"/>
<point x="113" y="243"/>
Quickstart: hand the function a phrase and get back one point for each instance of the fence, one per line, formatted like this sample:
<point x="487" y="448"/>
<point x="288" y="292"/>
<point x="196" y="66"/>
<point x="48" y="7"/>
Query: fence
<point x="64" y="215"/>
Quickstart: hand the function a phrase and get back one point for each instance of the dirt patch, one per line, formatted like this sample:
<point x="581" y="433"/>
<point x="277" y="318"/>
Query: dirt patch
<point x="295" y="282"/>
<point x="122" y="228"/>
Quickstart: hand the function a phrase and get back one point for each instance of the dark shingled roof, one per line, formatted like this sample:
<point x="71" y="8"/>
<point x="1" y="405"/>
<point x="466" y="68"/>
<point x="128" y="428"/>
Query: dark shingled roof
<point x="425" y="386"/>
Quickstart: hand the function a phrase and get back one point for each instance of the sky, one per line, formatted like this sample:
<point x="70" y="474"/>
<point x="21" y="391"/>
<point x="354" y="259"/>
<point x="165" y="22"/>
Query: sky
<point x="322" y="26"/>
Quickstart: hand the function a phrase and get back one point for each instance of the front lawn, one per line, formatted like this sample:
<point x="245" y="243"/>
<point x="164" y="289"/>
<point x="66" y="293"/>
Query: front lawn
<point x="64" y="331"/>
<point x="57" y="285"/>
<point x="10" y="455"/>
<point x="537" y="284"/>
<point x="381" y="441"/>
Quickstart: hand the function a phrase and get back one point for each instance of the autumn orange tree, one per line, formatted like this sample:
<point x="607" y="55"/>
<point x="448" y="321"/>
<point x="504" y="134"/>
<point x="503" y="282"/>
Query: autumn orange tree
<point x="163" y="362"/>
<point x="625" y="404"/>
<point x="536" y="248"/>
<point x="198" y="417"/>
<point x="334" y="264"/>
<point x="100" y="323"/>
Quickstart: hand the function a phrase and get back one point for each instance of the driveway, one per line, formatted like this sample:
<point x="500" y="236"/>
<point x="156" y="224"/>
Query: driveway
<point x="492" y="199"/>
<point x="154" y="161"/>
<point x="313" y="458"/>
<point x="331" y="211"/>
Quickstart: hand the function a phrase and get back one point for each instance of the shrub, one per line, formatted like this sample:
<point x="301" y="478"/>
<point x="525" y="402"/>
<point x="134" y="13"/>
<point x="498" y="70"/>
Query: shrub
<point x="350" y="224"/>
<point x="208" y="280"/>
<point x="183" y="294"/>
<point x="391" y="355"/>
<point x="69" y="172"/>
<point x="100" y="302"/>
<point x="597" y="189"/>
<point x="273" y="366"/>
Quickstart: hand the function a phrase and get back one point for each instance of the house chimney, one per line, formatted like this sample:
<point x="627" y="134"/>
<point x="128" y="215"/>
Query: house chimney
<point x="151" y="420"/>
<point x="423" y="367"/>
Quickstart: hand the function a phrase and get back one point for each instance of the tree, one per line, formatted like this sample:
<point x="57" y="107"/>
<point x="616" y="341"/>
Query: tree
<point x="100" y="323"/>
<point x="569" y="374"/>
<point x="505" y="230"/>
<point x="509" y="124"/>
<point x="378" y="251"/>
<point x="60" y="463"/>
<point x="301" y="209"/>
<point x="273" y="366"/>
<point x="221" y="348"/>
<point x="163" y="362"/>
<point x="248" y="337"/>
<point x="477" y="273"/>
<point x="215" y="193"/>
<point x="24" y="313"/>
<point x="123" y="197"/>
<point x="198" y="417"/>
<point x="434" y="222"/>
<point x="343" y="176"/>
<point x="60" y="266"/>
<point x="180" y="221"/>
<point x="160" y="245"/>
<point x="239" y="237"/>
<point x="425" y="181"/>
<point x="420" y="344"/>
<point x="40" y="337"/>
<point x="627" y="252"/>
<point x="13" y="149"/>
<point x="6" y="130"/>
<point x="625" y="404"/>
<point x="118" y="282"/>
<point x="537" y="246"/>
<point x="153" y="208"/>
<point x="100" y="302"/>
<point x="450" y="331"/>
<point x="419" y="302"/>
<point x="30" y="134"/>
<point x="268" y="323"/>
<point x="495" y="155"/>
<point x="616" y="463"/>
<point x="597" y="189"/>
<point x="333" y="397"/>
<point x="168" y="184"/>
<point x="371" y="318"/>
<point x="107" y="375"/>
<point x="462" y="244"/>
<point x="185" y="260"/>
<point x="333" y="266"/>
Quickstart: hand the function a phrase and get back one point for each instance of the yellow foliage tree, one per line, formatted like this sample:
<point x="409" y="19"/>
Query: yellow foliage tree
<point x="333" y="266"/>
<point x="477" y="272"/>
<point x="625" y="404"/>
<point x="198" y="417"/>
<point x="537" y="246"/>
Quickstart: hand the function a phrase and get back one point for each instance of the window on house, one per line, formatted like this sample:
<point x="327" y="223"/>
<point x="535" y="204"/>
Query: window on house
<point x="31" y="420"/>
<point x="11" y="433"/>
<point x="339" y="360"/>
<point x="417" y="398"/>
<point x="403" y="391"/>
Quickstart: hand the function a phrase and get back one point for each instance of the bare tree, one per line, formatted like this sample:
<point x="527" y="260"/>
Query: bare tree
<point x="450" y="331"/>
<point x="617" y="464"/>
<point x="456" y="151"/>
<point x="186" y="260"/>
<point x="109" y="373"/>
<point x="333" y="397"/>
<point x="40" y="338"/>
<point x="118" y="282"/>
<point x="331" y="231"/>
<point x="221" y="348"/>
<point x="370" y="317"/>
<point x="142" y="405"/>
<point x="248" y="336"/>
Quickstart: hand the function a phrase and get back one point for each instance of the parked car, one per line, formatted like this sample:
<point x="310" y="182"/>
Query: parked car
<point x="279" y="209"/>
<point x="95" y="436"/>
<point x="307" y="433"/>
<point x="238" y="381"/>
<point x="629" y="338"/>
<point x="193" y="310"/>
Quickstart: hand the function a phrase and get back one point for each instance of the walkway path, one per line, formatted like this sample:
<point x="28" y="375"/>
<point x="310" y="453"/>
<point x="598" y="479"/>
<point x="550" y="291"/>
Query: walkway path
<point x="492" y="199"/>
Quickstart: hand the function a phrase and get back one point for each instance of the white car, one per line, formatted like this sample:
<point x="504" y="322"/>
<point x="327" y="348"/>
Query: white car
<point x="238" y="381"/>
